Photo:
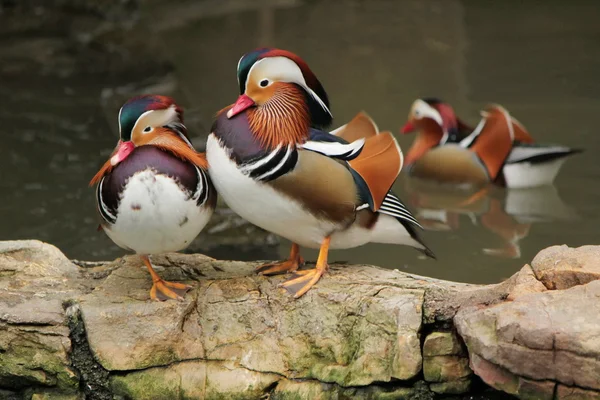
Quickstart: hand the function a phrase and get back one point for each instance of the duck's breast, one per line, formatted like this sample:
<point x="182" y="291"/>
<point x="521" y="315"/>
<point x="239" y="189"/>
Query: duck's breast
<point x="152" y="197"/>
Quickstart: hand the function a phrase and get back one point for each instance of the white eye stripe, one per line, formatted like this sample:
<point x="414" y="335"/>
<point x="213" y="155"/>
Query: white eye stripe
<point x="120" y="111"/>
<point x="159" y="118"/>
<point x="239" y="62"/>
<point x="423" y="110"/>
<point x="281" y="69"/>
<point x="139" y="119"/>
<point x="238" y="69"/>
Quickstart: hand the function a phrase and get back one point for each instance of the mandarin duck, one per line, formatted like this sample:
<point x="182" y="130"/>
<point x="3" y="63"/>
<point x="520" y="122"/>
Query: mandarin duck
<point x="498" y="150"/>
<point x="154" y="194"/>
<point x="273" y="164"/>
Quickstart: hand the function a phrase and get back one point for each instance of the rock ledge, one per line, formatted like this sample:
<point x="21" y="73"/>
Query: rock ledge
<point x="68" y="331"/>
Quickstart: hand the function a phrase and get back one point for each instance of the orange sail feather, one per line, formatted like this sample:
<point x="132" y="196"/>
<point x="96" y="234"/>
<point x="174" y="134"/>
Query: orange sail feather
<point x="361" y="126"/>
<point x="379" y="164"/>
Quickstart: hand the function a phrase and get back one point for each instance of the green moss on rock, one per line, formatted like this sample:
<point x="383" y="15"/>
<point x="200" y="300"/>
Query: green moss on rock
<point x="153" y="384"/>
<point x="36" y="357"/>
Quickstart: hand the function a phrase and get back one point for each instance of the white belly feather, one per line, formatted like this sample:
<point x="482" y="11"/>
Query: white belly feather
<point x="527" y="175"/>
<point x="156" y="216"/>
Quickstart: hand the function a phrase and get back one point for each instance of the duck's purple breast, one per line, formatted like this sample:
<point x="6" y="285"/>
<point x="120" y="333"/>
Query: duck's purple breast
<point x="235" y="134"/>
<point x="141" y="159"/>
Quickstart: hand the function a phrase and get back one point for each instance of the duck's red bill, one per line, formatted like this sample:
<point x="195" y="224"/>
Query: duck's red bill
<point x="407" y="128"/>
<point x="121" y="152"/>
<point x="242" y="103"/>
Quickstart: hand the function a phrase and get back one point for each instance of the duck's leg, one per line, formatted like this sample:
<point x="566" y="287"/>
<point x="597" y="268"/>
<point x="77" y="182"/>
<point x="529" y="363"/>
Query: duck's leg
<point x="289" y="265"/>
<point x="163" y="290"/>
<point x="301" y="283"/>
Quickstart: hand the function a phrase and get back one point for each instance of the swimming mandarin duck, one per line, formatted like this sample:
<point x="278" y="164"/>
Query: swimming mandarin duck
<point x="154" y="194"/>
<point x="273" y="164"/>
<point x="498" y="150"/>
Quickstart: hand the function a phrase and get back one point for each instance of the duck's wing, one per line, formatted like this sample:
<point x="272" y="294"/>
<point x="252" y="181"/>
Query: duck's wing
<point x="538" y="153"/>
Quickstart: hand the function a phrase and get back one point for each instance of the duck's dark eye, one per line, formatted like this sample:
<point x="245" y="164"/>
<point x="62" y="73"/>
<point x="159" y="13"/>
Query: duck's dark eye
<point x="148" y="129"/>
<point x="264" y="83"/>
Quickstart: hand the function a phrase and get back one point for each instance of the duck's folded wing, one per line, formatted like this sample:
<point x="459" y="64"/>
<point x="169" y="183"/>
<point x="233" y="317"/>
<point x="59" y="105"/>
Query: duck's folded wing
<point x="332" y="146"/>
<point x="538" y="153"/>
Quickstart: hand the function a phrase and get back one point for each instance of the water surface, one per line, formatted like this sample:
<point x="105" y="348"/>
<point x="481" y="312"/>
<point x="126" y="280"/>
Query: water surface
<point x="540" y="61"/>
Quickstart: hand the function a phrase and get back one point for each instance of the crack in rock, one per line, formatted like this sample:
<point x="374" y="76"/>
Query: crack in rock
<point x="94" y="382"/>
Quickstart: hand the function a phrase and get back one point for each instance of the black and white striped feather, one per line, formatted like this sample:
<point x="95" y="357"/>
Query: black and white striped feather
<point x="394" y="207"/>
<point x="342" y="151"/>
<point x="107" y="213"/>
<point x="202" y="189"/>
<point x="271" y="165"/>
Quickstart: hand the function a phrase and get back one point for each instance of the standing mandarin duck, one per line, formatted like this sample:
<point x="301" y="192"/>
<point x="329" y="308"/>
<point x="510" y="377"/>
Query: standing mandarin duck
<point x="275" y="167"/>
<point x="154" y="194"/>
<point x="498" y="150"/>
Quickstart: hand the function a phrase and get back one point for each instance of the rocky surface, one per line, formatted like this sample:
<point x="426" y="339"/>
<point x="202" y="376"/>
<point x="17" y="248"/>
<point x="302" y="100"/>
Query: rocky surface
<point x="446" y="363"/>
<point x="560" y="267"/>
<point x="363" y="332"/>
<point x="545" y="344"/>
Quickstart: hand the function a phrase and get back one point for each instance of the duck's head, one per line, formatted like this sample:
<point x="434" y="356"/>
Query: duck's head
<point x="141" y="120"/>
<point x="273" y="78"/>
<point x="430" y="114"/>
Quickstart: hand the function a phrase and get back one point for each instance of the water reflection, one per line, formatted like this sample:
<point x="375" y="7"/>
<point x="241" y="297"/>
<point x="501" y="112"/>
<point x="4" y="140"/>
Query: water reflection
<point x="508" y="214"/>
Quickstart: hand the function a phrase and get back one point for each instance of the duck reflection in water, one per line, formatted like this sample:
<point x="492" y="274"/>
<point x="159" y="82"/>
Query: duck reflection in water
<point x="508" y="214"/>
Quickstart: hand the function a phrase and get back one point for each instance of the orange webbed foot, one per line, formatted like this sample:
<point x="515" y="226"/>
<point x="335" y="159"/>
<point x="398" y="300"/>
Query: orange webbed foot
<point x="280" y="267"/>
<point x="164" y="290"/>
<point x="289" y="265"/>
<point x="300" y="283"/>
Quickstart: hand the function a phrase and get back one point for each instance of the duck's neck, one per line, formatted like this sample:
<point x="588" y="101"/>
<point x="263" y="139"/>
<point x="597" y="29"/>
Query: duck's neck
<point x="283" y="120"/>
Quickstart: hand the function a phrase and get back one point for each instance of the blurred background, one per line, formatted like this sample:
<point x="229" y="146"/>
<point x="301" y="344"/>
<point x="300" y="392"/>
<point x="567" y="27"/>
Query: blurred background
<point x="66" y="67"/>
